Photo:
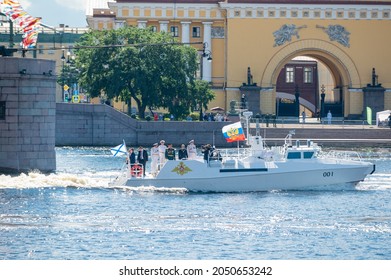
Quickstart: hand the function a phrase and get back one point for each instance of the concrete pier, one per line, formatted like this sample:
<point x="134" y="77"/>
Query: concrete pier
<point x="27" y="114"/>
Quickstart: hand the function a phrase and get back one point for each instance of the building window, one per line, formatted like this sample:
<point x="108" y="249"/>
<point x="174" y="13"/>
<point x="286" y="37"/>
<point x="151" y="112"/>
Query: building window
<point x="196" y="32"/>
<point x="174" y="31"/>
<point x="40" y="49"/>
<point x="2" y="110"/>
<point x="290" y="75"/>
<point x="307" y="75"/>
<point x="153" y="28"/>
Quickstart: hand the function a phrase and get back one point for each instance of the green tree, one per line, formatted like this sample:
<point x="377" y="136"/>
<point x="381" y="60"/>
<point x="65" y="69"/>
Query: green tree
<point x="152" y="69"/>
<point x="201" y="95"/>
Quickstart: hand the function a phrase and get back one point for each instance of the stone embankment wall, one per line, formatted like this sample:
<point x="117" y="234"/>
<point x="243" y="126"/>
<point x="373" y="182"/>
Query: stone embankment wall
<point x="27" y="125"/>
<point x="92" y="125"/>
<point x="101" y="125"/>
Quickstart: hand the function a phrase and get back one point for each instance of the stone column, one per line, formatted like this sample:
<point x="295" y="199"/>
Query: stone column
<point x="163" y="26"/>
<point x="185" y="31"/>
<point x="142" y="24"/>
<point x="207" y="64"/>
<point x="27" y="131"/>
<point x="119" y="24"/>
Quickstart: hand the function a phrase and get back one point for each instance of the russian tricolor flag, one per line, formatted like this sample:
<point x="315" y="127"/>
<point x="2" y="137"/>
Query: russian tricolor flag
<point x="233" y="132"/>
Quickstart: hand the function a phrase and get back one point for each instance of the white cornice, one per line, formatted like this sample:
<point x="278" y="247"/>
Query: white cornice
<point x="164" y="6"/>
<point x="243" y="10"/>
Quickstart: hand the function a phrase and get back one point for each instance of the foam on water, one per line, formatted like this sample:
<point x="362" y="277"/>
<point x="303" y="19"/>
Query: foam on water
<point x="376" y="181"/>
<point x="35" y="179"/>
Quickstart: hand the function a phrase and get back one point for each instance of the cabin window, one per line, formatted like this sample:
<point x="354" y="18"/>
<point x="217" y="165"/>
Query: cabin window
<point x="308" y="154"/>
<point x="2" y="110"/>
<point x="294" y="155"/>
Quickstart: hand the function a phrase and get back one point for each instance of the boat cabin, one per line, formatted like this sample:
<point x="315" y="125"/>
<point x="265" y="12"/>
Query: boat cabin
<point x="308" y="151"/>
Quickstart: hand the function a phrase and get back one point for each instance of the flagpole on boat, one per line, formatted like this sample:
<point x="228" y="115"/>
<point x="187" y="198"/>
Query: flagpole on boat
<point x="238" y="148"/>
<point x="127" y="156"/>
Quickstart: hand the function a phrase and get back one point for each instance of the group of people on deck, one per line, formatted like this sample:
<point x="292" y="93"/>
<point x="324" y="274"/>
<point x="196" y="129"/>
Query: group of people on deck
<point x="160" y="153"/>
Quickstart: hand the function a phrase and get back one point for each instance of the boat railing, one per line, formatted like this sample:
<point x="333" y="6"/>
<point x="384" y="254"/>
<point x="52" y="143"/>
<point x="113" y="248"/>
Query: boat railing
<point x="228" y="154"/>
<point x="341" y="155"/>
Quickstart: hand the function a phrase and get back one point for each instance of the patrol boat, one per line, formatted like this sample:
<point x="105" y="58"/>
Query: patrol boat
<point x="293" y="166"/>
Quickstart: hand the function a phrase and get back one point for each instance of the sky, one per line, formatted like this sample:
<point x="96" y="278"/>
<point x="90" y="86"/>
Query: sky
<point x="55" y="12"/>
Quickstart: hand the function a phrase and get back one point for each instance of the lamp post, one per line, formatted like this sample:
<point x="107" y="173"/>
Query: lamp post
<point x="206" y="54"/>
<point x="69" y="74"/>
<point x="322" y="96"/>
<point x="62" y="74"/>
<point x="71" y="77"/>
<point x="297" y="102"/>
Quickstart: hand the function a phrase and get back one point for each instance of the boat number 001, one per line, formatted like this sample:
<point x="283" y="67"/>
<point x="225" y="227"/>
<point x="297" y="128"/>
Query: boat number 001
<point x="328" y="174"/>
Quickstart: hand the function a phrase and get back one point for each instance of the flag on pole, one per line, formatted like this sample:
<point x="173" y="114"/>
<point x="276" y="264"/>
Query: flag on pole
<point x="119" y="150"/>
<point x="233" y="132"/>
<point x="30" y="25"/>
<point x="369" y="115"/>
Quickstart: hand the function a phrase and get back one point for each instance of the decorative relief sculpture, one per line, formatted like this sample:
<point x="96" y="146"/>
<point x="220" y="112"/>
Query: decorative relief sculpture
<point x="337" y="33"/>
<point x="285" y="33"/>
<point x="218" y="32"/>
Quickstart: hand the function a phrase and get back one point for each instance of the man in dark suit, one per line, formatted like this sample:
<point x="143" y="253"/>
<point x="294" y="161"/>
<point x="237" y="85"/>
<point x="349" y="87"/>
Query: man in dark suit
<point x="132" y="156"/>
<point x="142" y="157"/>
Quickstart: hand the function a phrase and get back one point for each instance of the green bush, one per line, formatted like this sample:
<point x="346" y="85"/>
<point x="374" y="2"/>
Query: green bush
<point x="195" y="116"/>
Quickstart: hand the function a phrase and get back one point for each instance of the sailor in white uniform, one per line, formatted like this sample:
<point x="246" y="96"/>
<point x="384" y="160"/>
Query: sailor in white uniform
<point x="155" y="159"/>
<point x="191" y="150"/>
<point x="162" y="153"/>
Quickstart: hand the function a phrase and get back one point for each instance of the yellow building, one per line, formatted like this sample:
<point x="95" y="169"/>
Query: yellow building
<point x="350" y="38"/>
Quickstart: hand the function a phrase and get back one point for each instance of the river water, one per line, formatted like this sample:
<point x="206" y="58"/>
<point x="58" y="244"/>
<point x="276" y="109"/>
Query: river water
<point x="73" y="214"/>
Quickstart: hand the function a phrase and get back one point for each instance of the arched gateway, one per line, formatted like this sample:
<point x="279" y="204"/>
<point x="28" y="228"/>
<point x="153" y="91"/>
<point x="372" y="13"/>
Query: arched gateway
<point x="342" y="69"/>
